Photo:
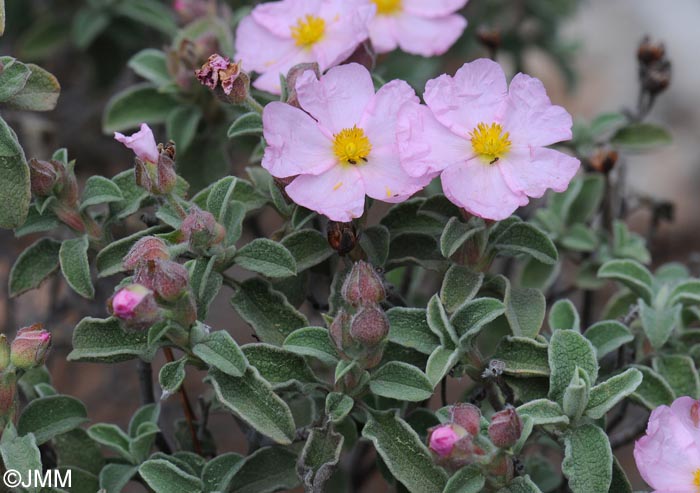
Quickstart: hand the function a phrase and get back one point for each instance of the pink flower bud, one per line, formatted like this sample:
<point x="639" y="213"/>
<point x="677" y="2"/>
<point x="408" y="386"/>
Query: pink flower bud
<point x="225" y="78"/>
<point x="142" y="143"/>
<point x="201" y="230"/>
<point x="442" y="440"/>
<point x="505" y="428"/>
<point x="144" y="250"/>
<point x="369" y="326"/>
<point x="30" y="346"/>
<point x="171" y="279"/>
<point x="135" y="305"/>
<point x="159" y="177"/>
<point x="44" y="176"/>
<point x="4" y="352"/>
<point x="468" y="416"/>
<point x="363" y="285"/>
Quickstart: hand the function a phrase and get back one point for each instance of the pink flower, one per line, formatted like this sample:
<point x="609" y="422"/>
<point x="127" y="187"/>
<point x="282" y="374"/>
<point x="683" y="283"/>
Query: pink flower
<point x="276" y="36"/>
<point x="127" y="299"/>
<point x="488" y="141"/>
<point x="142" y="143"/>
<point x="442" y="440"/>
<point x="416" y="26"/>
<point x="342" y="146"/>
<point x="668" y="456"/>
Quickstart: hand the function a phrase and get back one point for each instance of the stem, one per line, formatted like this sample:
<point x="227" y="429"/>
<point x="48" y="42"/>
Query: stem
<point x="186" y="407"/>
<point x="145" y="372"/>
<point x="443" y="391"/>
<point x="251" y="103"/>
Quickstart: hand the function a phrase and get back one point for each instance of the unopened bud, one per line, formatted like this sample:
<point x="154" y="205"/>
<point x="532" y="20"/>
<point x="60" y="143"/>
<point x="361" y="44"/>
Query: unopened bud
<point x="201" y="230"/>
<point x="146" y="249"/>
<point x="340" y="330"/>
<point x="44" y="176"/>
<point x="369" y="326"/>
<point x="505" y="428"/>
<point x="135" y="305"/>
<point x="442" y="439"/>
<point x="229" y="83"/>
<point x="658" y="77"/>
<point x="30" y="347"/>
<point x="8" y="396"/>
<point x="171" y="279"/>
<point x="292" y="77"/>
<point x="650" y="52"/>
<point x="342" y="237"/>
<point x="468" y="416"/>
<point x="159" y="177"/>
<point x="363" y="285"/>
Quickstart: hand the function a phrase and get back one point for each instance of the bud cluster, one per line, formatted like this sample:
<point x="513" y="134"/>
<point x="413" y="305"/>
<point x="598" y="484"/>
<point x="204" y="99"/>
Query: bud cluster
<point x="654" y="67"/>
<point x="55" y="179"/>
<point x="157" y="177"/>
<point x="201" y="231"/>
<point x="360" y="330"/>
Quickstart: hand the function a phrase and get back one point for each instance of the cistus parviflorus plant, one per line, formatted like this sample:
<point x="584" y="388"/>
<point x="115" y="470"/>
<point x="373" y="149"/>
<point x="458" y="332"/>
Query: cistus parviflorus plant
<point x="443" y="289"/>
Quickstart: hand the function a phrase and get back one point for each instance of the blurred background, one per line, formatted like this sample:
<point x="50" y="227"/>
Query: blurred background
<point x="584" y="51"/>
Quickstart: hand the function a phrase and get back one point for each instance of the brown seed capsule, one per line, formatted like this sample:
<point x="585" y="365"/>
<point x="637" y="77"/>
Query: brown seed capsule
<point x="342" y="237"/>
<point x="649" y="52"/>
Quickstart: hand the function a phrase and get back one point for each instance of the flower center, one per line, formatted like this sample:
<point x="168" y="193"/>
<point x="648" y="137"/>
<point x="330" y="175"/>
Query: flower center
<point x="696" y="479"/>
<point x="351" y="145"/>
<point x="386" y="7"/>
<point x="308" y="30"/>
<point x="490" y="142"/>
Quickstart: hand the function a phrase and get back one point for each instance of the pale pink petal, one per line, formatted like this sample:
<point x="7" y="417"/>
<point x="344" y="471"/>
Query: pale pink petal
<point x="425" y="146"/>
<point x="347" y="26"/>
<point x="379" y="118"/>
<point x="142" y="143"/>
<point x="532" y="171"/>
<point x="683" y="409"/>
<point x="474" y="95"/>
<point x="280" y="17"/>
<point x="339" y="99"/>
<point x="480" y="189"/>
<point x="428" y="37"/>
<point x="270" y="79"/>
<point x="337" y="193"/>
<point x="295" y="143"/>
<point x="433" y="8"/>
<point x="382" y="33"/>
<point x="530" y="117"/>
<point x="259" y="50"/>
<point x="385" y="179"/>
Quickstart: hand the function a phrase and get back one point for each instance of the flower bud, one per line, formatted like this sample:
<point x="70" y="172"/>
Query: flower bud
<point x="363" y="285"/>
<point x="442" y="439"/>
<point x="342" y="237"/>
<point x="369" y="326"/>
<point x="44" y="176"/>
<point x="30" y="346"/>
<point x="468" y="416"/>
<point x="147" y="248"/>
<point x="604" y="161"/>
<point x="650" y="52"/>
<point x="505" y="428"/>
<point x="340" y="330"/>
<point x="8" y="396"/>
<point x="229" y="83"/>
<point x="157" y="177"/>
<point x="190" y="10"/>
<point x="292" y="77"/>
<point x="658" y="77"/>
<point x="135" y="305"/>
<point x="171" y="279"/>
<point x="201" y="230"/>
<point x="4" y="352"/>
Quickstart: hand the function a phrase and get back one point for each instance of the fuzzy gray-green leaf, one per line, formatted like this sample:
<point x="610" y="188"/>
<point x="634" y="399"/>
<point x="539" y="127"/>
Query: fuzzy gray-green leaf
<point x="73" y="256"/>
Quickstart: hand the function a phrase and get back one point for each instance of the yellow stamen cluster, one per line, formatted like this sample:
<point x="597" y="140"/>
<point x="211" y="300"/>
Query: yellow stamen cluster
<point x="696" y="479"/>
<point x="351" y="146"/>
<point x="308" y="30"/>
<point x="490" y="142"/>
<point x="387" y="7"/>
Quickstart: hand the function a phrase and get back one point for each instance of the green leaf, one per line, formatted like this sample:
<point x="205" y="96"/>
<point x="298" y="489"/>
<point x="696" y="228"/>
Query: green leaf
<point x="563" y="315"/>
<point x="537" y="275"/>
<point x="641" y="136"/>
<point x="543" y="412"/>
<point x="524" y="238"/>
<point x="100" y="190"/>
<point x="266" y="470"/>
<point x="111" y="436"/>
<point x="87" y="25"/>
<point x="34" y="264"/>
<point x="267" y="311"/>
<point x="109" y="260"/>
<point x="14" y="179"/>
<point x="401" y="381"/>
<point x="404" y="218"/>
<point x="522" y="484"/>
<point x="165" y="477"/>
<point x="76" y="448"/>
<point x="137" y="104"/>
<point x="181" y="125"/>
<point x="375" y="243"/>
<point x="606" y="394"/>
<point x="409" y="328"/>
<point x="253" y="400"/>
<point x="471" y="317"/>
<point x="607" y="336"/>
<point x="338" y="406"/>
<point x="466" y="480"/>
<point x="37" y="222"/>
<point x="588" y="460"/>
<point x="148" y="413"/>
<point x="267" y="257"/>
<point x="48" y="417"/>
<point x="76" y="267"/>
<point x="152" y="65"/>
<point x="454" y="235"/>
<point x="150" y="13"/>
<point x="630" y="273"/>
<point x="580" y="239"/>
<point x="13" y="77"/>
<point x="314" y="342"/>
<point x="219" y="472"/>
<point x="680" y="373"/>
<point x="569" y="350"/>
<point x="103" y="340"/>
<point x="404" y="453"/>
<point x="142" y="443"/>
<point x="440" y="362"/>
<point x="20" y="453"/>
<point x="319" y="458"/>
<point x="246" y="124"/>
<point x="114" y="477"/>
<point x="523" y="356"/>
<point x="172" y="375"/>
<point x="439" y="323"/>
<point x="459" y="286"/>
<point x="308" y="247"/>
<point x="659" y="323"/>
<point x="40" y="93"/>
<point x="654" y="391"/>
<point x="525" y="309"/>
<point x="278" y="366"/>
<point x="134" y="196"/>
<point x="220" y="351"/>
<point x="576" y="393"/>
<point x="685" y="292"/>
<point x="2" y="17"/>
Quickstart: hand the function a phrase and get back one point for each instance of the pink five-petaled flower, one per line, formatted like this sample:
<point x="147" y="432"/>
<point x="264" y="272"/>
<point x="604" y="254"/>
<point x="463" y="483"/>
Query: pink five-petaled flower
<point x="488" y="141"/>
<point x="142" y="143"/>
<point x="668" y="456"/>
<point x="342" y="145"/>
<point x="276" y="36"/>
<point x="416" y="26"/>
<point x="442" y="440"/>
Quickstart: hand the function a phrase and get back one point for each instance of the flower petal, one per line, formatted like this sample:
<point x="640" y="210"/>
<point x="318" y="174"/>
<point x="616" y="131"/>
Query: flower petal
<point x="382" y="33"/>
<point x="295" y="143"/>
<point x="347" y="26"/>
<point x="481" y="189"/>
<point x="270" y="79"/>
<point x="474" y="95"/>
<point x="258" y="49"/>
<point x="434" y="8"/>
<point x="379" y="118"/>
<point x="339" y="99"/>
<point x="384" y="178"/>
<point x="531" y="118"/>
<point x="428" y="37"/>
<point x="533" y="171"/>
<point x="280" y="17"/>
<point x="142" y="143"/>
<point x="426" y="146"/>
<point x="337" y="193"/>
